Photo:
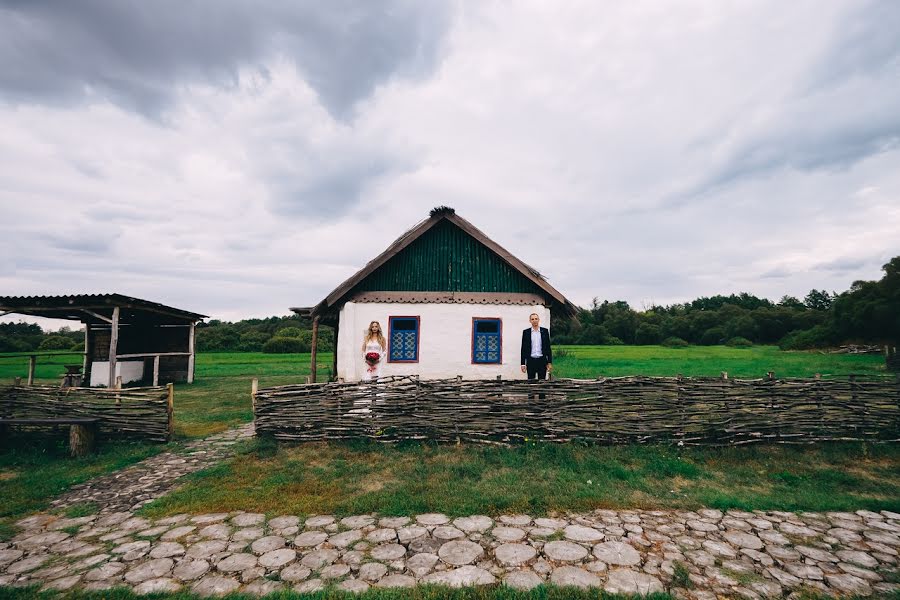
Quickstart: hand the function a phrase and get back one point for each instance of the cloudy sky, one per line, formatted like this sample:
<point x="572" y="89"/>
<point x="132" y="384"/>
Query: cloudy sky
<point x="236" y="158"/>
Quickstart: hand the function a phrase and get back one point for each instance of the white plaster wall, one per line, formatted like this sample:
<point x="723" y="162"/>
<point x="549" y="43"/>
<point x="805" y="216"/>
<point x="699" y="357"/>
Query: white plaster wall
<point x="129" y="370"/>
<point x="445" y="338"/>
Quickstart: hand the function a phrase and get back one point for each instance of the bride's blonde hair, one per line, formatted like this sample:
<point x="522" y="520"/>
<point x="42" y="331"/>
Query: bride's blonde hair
<point x="378" y="336"/>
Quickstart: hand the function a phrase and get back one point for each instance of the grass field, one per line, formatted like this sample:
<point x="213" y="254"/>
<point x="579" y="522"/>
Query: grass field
<point x="356" y="478"/>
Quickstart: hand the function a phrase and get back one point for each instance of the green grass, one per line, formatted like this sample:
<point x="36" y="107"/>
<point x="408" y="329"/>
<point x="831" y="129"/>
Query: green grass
<point x="589" y="362"/>
<point x="35" y="470"/>
<point x="404" y="479"/>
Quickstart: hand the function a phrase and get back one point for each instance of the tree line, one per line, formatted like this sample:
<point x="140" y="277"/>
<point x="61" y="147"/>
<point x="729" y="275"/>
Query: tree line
<point x="869" y="312"/>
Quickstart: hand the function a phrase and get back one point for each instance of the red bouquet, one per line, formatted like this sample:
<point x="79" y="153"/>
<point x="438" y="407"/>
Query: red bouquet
<point x="372" y="357"/>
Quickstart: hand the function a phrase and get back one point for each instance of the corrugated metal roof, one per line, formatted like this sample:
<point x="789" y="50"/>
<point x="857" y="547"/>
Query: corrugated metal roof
<point x="61" y="306"/>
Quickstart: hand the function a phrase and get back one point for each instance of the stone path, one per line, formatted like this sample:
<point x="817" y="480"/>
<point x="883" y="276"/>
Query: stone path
<point x="131" y="488"/>
<point x="735" y="554"/>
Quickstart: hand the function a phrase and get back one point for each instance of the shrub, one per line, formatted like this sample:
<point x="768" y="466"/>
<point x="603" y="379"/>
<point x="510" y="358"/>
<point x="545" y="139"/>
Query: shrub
<point x="739" y="342"/>
<point x="285" y="345"/>
<point x="646" y="334"/>
<point x="820" y="336"/>
<point x="712" y="336"/>
<point x="252" y="341"/>
<point x="292" y="332"/>
<point x="612" y="340"/>
<point x="56" y="342"/>
<point x="11" y="344"/>
<point x="674" y="342"/>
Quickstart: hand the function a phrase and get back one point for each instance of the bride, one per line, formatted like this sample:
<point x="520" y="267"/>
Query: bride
<point x="373" y="350"/>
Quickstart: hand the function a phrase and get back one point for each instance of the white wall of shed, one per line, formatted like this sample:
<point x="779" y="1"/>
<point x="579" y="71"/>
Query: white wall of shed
<point x="129" y="370"/>
<point x="445" y="338"/>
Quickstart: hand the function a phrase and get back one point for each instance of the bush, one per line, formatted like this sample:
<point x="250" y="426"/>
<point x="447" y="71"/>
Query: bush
<point x="612" y="340"/>
<point x="739" y="342"/>
<point x="285" y="345"/>
<point x="820" y="336"/>
<point x="56" y="342"/>
<point x="252" y="341"/>
<point x="11" y="344"/>
<point x="646" y="334"/>
<point x="712" y="337"/>
<point x="292" y="332"/>
<point x="674" y="342"/>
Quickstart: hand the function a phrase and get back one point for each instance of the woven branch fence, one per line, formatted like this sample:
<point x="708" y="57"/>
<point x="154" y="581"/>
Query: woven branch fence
<point x="131" y="413"/>
<point x="620" y="410"/>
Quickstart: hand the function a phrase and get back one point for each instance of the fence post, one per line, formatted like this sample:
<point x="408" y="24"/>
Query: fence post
<point x="170" y="407"/>
<point x="118" y="387"/>
<point x="156" y="370"/>
<point x="31" y="360"/>
<point x="254" y="387"/>
<point x="18" y="381"/>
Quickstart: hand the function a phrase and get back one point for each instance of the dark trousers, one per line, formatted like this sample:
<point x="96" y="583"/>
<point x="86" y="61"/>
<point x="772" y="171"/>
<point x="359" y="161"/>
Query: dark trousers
<point x="536" y="368"/>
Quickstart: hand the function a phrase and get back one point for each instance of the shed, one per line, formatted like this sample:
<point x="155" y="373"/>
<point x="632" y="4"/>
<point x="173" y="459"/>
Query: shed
<point x="450" y="301"/>
<point x="138" y="340"/>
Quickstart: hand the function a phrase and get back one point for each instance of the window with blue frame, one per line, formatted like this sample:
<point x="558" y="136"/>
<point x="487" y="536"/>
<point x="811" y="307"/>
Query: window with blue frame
<point x="487" y="341"/>
<point x="403" y="339"/>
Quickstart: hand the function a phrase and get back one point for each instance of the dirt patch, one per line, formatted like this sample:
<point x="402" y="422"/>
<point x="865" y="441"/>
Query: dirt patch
<point x="7" y="475"/>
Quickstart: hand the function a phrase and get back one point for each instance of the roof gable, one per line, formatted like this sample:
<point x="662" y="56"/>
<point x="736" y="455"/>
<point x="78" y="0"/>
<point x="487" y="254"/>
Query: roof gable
<point x="444" y="253"/>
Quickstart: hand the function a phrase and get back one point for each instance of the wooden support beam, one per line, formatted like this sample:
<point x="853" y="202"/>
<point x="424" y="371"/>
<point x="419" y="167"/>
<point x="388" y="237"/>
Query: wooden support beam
<point x="84" y="366"/>
<point x="254" y="387"/>
<point x="192" y="357"/>
<point x="156" y="370"/>
<point x="101" y="317"/>
<point x="113" y="343"/>
<point x="312" y="354"/>
<point x="170" y="407"/>
<point x="149" y="354"/>
<point x="334" y="359"/>
<point x="31" y="360"/>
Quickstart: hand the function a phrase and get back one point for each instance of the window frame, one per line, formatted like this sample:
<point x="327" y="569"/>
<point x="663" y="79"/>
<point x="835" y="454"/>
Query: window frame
<point x="499" y="321"/>
<point x="417" y="319"/>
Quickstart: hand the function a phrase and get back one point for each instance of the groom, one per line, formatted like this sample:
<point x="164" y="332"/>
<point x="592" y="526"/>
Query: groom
<point x="537" y="357"/>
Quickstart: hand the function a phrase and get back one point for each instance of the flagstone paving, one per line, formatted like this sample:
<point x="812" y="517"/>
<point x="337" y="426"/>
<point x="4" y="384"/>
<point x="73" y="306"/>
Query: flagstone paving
<point x="735" y="554"/>
<point x="131" y="488"/>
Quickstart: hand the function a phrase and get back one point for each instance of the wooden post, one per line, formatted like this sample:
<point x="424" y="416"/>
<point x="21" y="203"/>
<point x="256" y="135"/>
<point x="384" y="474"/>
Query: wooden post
<point x="724" y="374"/>
<point x="312" y="350"/>
<point x="156" y="370"/>
<point x="81" y="439"/>
<point x="18" y="381"/>
<point x="31" y="360"/>
<point x="191" y="358"/>
<point x="334" y="365"/>
<point x="88" y="354"/>
<point x="84" y="364"/>
<point x="113" y="343"/>
<point x="771" y="375"/>
<point x="254" y="387"/>
<point x="170" y="407"/>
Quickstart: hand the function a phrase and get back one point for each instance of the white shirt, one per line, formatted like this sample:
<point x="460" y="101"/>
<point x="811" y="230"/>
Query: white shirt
<point x="536" y="349"/>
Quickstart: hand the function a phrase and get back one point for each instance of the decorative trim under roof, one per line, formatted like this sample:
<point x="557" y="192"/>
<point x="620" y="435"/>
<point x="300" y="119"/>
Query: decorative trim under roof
<point x="449" y="298"/>
<point x="340" y="293"/>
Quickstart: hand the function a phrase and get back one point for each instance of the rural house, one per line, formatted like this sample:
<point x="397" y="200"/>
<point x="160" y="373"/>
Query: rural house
<point x="450" y="302"/>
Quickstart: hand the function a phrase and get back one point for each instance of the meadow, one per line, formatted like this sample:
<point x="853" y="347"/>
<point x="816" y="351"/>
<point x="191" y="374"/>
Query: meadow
<point x="360" y="477"/>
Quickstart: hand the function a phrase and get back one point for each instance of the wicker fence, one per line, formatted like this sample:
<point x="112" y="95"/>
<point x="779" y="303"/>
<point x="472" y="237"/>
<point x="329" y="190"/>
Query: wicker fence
<point x="134" y="413"/>
<point x="621" y="410"/>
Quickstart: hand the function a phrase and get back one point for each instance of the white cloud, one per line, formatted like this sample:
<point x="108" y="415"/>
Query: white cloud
<point x="635" y="150"/>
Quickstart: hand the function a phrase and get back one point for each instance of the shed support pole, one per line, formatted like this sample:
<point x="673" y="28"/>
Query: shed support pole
<point x="156" y="370"/>
<point x="84" y="362"/>
<point x="113" y="343"/>
<point x="191" y="346"/>
<point x="31" y="360"/>
<point x="312" y="354"/>
<point x="334" y="365"/>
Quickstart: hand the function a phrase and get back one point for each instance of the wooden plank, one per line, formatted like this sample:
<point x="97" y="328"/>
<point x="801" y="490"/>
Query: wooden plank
<point x="31" y="360"/>
<point x="113" y="342"/>
<point x="97" y="316"/>
<point x="156" y="370"/>
<point x="86" y="360"/>
<point x="170" y="408"/>
<point x="149" y="354"/>
<point x="313" y="348"/>
<point x="192" y="357"/>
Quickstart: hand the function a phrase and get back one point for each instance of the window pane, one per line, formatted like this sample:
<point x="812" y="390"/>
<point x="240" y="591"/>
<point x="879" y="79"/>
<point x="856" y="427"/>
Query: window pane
<point x="487" y="326"/>
<point x="404" y="324"/>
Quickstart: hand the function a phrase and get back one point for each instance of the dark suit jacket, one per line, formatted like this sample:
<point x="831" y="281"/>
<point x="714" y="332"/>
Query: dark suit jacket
<point x="545" y="345"/>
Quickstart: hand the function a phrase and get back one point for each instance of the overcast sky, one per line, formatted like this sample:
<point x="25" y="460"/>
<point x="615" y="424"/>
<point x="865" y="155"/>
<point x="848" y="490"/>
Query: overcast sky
<point x="236" y="158"/>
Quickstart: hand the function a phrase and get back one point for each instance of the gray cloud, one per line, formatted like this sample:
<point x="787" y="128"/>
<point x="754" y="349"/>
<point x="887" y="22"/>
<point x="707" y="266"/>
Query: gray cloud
<point x="137" y="54"/>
